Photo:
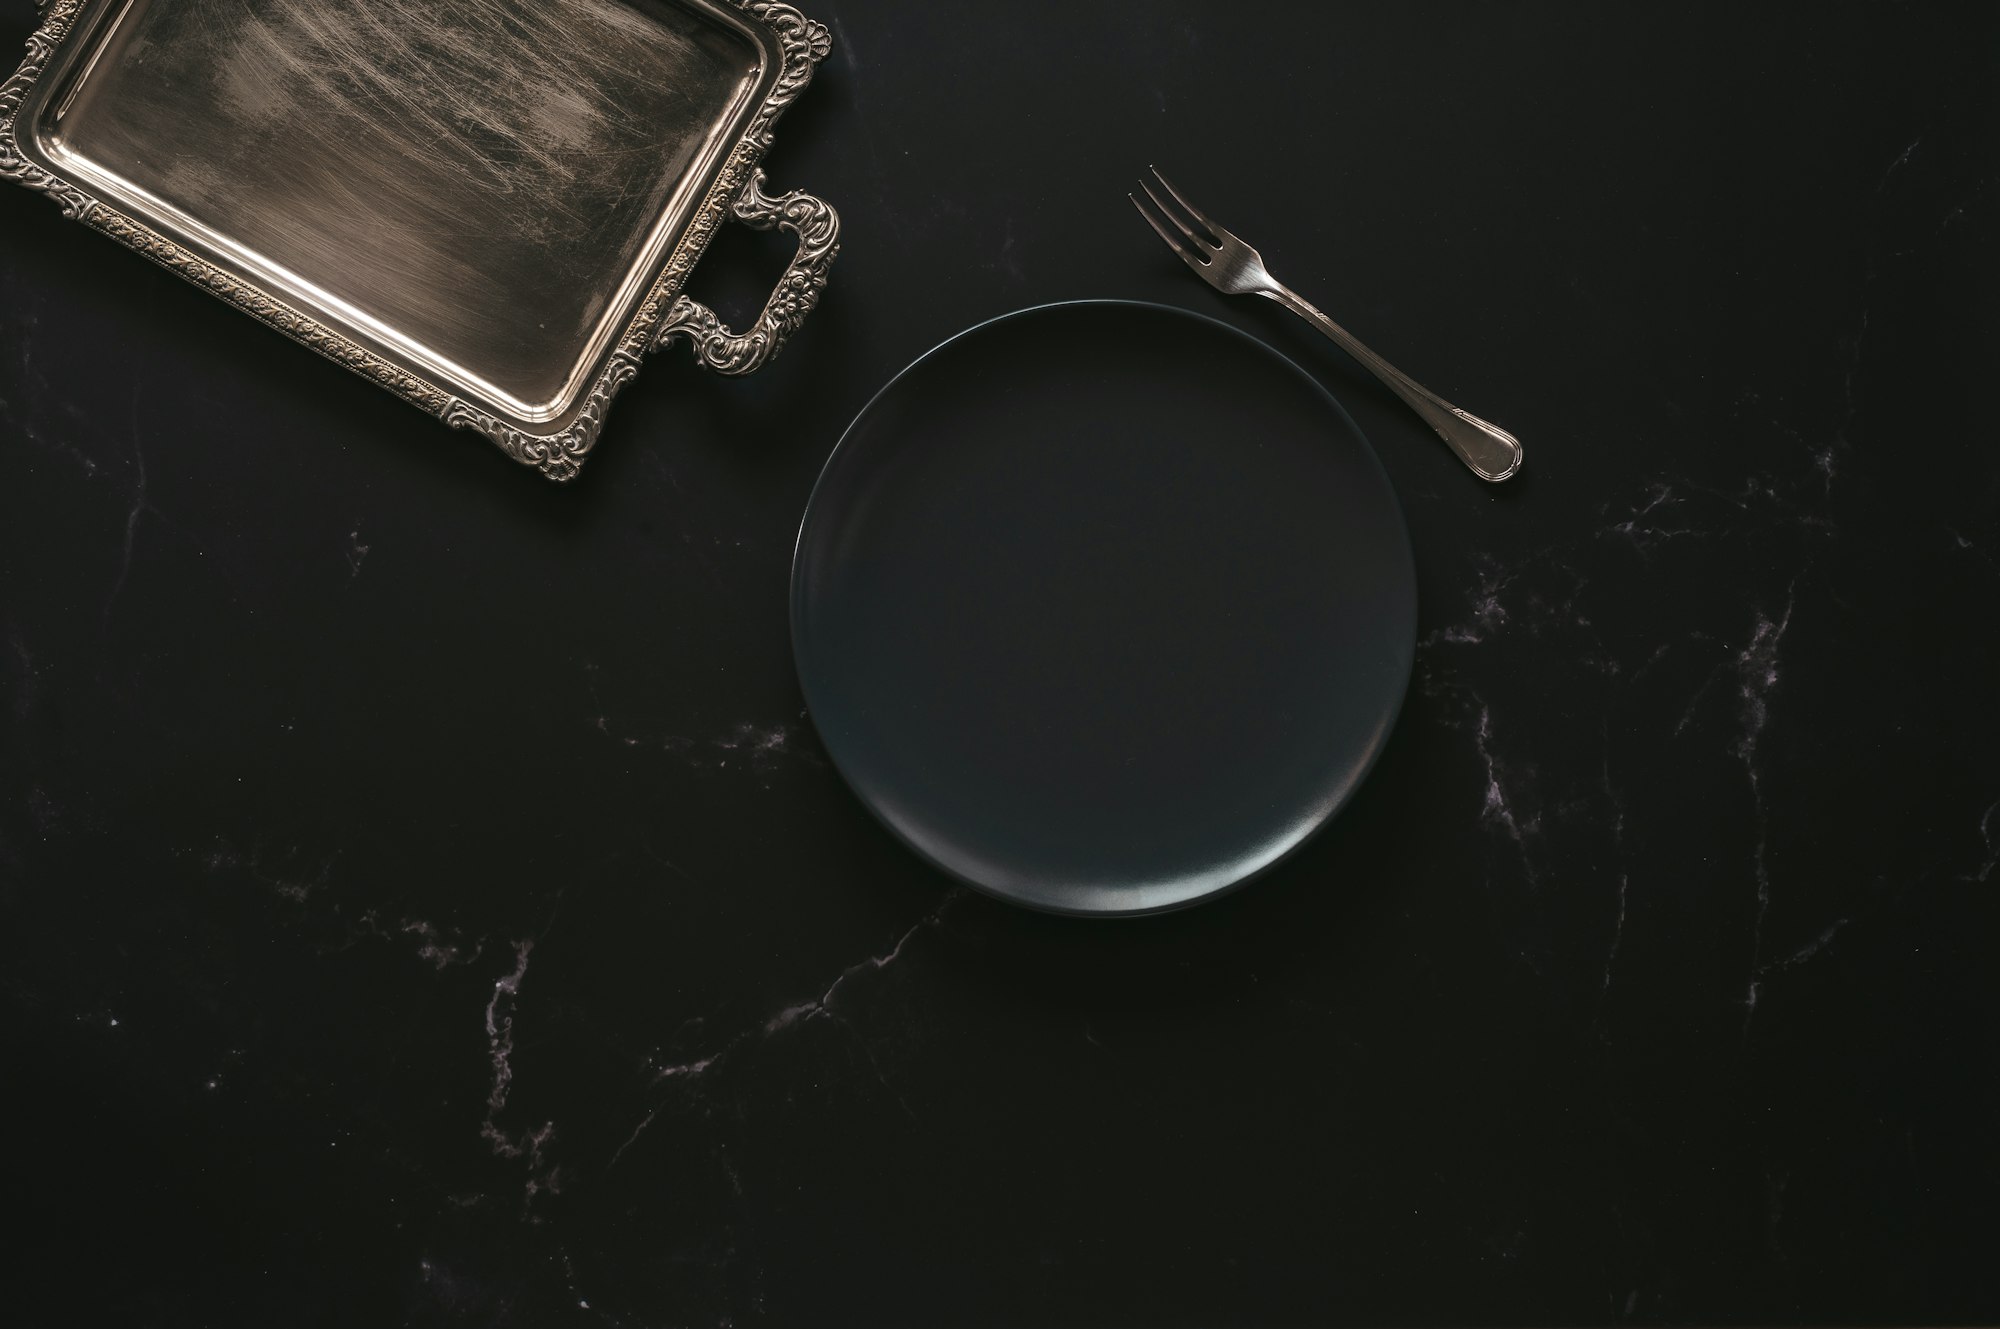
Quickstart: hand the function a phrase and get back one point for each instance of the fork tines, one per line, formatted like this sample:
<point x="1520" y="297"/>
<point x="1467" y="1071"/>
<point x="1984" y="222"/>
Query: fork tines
<point x="1182" y="225"/>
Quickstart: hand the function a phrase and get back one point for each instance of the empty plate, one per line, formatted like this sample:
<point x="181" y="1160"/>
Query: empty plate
<point x="1104" y="608"/>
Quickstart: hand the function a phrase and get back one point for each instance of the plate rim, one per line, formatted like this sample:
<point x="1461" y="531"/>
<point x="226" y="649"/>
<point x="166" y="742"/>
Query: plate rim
<point x="796" y="601"/>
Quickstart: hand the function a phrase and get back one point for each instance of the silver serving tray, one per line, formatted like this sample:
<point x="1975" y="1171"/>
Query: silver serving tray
<point x="489" y="207"/>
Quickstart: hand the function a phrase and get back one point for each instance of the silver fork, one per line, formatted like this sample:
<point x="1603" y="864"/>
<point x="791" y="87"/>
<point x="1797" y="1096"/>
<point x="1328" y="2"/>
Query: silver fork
<point x="1234" y="268"/>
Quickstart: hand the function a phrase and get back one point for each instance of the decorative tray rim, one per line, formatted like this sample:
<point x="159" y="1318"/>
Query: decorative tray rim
<point x="662" y="316"/>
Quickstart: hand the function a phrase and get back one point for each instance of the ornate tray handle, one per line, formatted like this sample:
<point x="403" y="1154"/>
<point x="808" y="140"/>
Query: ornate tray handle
<point x="818" y="228"/>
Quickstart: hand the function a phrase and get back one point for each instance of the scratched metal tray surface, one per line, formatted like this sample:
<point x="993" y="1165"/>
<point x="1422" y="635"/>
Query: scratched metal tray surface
<point x="489" y="207"/>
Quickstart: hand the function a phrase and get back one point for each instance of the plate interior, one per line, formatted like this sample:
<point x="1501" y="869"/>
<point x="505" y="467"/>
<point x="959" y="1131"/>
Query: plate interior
<point x="480" y="185"/>
<point x="1104" y="608"/>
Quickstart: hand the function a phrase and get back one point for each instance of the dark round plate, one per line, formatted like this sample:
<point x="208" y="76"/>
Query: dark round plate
<point x="1104" y="608"/>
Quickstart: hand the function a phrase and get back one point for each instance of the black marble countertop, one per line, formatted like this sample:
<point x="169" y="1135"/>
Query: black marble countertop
<point x="423" y="900"/>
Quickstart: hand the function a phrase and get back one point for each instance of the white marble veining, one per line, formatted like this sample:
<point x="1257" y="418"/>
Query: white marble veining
<point x="1989" y="838"/>
<point x="1757" y="678"/>
<point x="527" y="1144"/>
<point x="356" y="552"/>
<point x="823" y="1006"/>
<point x="137" y="507"/>
<point x="758" y="749"/>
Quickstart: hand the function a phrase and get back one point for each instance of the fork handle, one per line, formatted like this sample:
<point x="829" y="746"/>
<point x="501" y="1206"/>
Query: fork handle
<point x="1491" y="452"/>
